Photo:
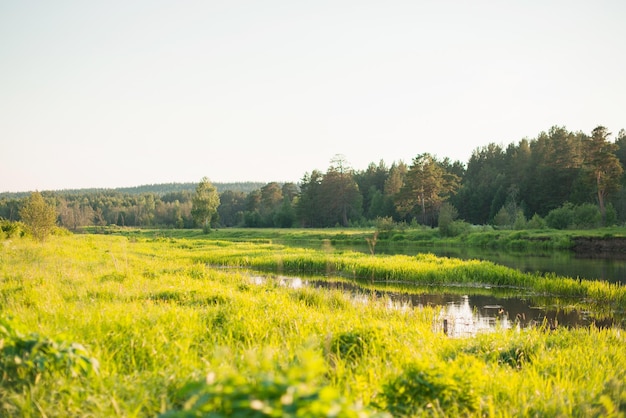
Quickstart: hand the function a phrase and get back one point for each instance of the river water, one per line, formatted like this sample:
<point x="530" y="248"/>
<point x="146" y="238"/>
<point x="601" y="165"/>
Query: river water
<point x="608" y="267"/>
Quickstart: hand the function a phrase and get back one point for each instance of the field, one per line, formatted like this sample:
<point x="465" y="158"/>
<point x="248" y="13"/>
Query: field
<point x="156" y="323"/>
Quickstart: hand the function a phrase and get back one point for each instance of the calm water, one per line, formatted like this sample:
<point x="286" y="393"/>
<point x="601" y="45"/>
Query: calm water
<point x="563" y="263"/>
<point x="462" y="315"/>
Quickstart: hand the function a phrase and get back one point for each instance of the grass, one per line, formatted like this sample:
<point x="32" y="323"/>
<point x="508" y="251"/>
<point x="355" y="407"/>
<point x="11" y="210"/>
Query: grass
<point x="159" y="327"/>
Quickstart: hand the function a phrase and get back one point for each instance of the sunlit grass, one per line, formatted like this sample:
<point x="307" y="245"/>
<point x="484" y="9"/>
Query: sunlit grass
<point x="160" y="314"/>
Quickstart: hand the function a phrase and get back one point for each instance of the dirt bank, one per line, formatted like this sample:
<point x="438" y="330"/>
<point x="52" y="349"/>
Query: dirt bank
<point x="591" y="246"/>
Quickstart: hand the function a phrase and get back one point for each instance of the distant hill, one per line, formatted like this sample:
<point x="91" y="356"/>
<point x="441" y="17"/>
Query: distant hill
<point x="158" y="189"/>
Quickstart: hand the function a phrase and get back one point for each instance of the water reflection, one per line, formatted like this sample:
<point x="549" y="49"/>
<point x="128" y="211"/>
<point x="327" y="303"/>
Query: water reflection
<point x="459" y="315"/>
<point x="459" y="319"/>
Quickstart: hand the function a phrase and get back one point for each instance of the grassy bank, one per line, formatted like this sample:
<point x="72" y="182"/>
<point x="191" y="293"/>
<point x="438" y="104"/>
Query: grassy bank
<point x="478" y="237"/>
<point x="148" y="325"/>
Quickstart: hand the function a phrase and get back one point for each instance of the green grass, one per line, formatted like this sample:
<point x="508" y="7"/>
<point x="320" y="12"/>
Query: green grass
<point x="157" y="327"/>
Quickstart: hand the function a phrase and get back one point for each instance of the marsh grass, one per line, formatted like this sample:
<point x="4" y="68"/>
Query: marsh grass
<point x="175" y="334"/>
<point x="421" y="269"/>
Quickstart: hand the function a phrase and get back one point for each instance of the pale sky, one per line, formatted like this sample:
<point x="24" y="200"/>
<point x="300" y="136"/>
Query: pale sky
<point x="126" y="93"/>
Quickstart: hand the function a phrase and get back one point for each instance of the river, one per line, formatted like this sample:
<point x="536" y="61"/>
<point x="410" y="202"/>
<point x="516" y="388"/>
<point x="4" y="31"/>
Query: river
<point x="608" y="267"/>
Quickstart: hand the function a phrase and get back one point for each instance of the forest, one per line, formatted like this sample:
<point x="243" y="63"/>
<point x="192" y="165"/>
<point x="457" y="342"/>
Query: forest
<point x="560" y="179"/>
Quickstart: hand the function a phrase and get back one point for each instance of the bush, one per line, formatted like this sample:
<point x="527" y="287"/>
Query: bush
<point x="561" y="218"/>
<point x="584" y="216"/>
<point x="447" y="215"/>
<point x="457" y="228"/>
<point x="536" y="222"/>
<point x="587" y="216"/>
<point x="10" y="229"/>
<point x="502" y="219"/>
<point x="520" y="221"/>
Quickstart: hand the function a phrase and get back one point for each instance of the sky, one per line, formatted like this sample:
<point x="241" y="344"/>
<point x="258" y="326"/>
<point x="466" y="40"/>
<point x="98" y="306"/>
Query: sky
<point x="104" y="94"/>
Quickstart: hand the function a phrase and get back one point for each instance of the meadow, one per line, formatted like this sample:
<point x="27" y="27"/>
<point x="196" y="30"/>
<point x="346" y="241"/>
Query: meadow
<point x="156" y="323"/>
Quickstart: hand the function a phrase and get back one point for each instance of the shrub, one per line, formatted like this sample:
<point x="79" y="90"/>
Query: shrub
<point x="536" y="222"/>
<point x="502" y="219"/>
<point x="561" y="218"/>
<point x="447" y="215"/>
<point x="587" y="216"/>
<point x="11" y="229"/>
<point x="520" y="220"/>
<point x="458" y="228"/>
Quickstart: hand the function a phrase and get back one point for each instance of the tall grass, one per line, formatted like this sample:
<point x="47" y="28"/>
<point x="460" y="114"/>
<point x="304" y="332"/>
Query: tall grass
<point x="175" y="334"/>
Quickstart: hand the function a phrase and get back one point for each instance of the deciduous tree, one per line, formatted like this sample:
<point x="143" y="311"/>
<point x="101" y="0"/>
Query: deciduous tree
<point x="205" y="203"/>
<point x="39" y="216"/>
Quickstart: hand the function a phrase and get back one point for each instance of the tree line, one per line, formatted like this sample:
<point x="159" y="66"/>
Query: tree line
<point x="559" y="179"/>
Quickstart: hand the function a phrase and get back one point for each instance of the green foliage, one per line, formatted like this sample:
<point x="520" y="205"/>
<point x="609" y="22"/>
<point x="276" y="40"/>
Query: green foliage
<point x="502" y="219"/>
<point x="435" y="389"/>
<point x="561" y="218"/>
<point x="428" y="184"/>
<point x="447" y="215"/>
<point x="39" y="216"/>
<point x="26" y="359"/>
<point x="385" y="225"/>
<point x="297" y="390"/>
<point x="586" y="216"/>
<point x="536" y="222"/>
<point x="10" y="229"/>
<point x="205" y="203"/>
<point x="569" y="216"/>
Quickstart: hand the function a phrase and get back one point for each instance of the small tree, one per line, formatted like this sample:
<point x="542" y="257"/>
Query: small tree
<point x="447" y="215"/>
<point x="39" y="217"/>
<point x="204" y="204"/>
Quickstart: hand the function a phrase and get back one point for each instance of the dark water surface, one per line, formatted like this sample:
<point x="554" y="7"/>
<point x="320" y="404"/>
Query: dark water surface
<point x="608" y="267"/>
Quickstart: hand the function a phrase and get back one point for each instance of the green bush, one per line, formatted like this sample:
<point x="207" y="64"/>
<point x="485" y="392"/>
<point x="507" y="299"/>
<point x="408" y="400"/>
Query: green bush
<point x="561" y="218"/>
<point x="10" y="229"/>
<point x="584" y="216"/>
<point x="587" y="216"/>
<point x="536" y="222"/>
<point x="457" y="228"/>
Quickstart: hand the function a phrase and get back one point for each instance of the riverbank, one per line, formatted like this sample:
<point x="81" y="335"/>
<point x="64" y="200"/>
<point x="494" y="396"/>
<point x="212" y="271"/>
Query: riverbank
<point x="584" y="242"/>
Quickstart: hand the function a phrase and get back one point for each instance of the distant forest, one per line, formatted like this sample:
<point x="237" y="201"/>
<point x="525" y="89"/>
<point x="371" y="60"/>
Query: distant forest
<point x="560" y="179"/>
